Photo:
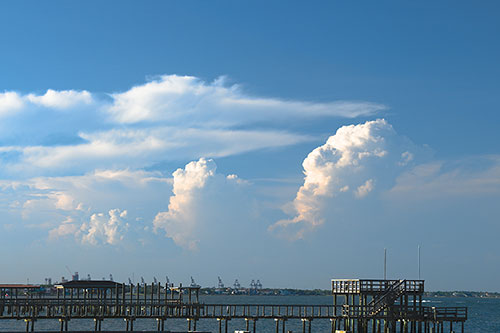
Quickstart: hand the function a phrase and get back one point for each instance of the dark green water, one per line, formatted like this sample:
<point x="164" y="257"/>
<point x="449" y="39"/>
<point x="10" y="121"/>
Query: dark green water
<point x="484" y="316"/>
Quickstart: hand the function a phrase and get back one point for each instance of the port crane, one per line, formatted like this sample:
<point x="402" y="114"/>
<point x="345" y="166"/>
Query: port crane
<point x="220" y="285"/>
<point x="236" y="284"/>
<point x="193" y="283"/>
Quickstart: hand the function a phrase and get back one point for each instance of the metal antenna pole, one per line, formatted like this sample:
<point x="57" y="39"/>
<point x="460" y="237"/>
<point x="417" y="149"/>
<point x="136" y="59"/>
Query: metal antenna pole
<point x="419" y="262"/>
<point x="385" y="264"/>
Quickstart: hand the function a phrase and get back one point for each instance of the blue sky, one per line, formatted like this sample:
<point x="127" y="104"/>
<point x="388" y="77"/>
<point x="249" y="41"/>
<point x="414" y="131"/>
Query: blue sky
<point x="284" y="141"/>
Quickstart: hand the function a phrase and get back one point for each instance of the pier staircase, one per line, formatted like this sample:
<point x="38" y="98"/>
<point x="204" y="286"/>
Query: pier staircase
<point x="393" y="292"/>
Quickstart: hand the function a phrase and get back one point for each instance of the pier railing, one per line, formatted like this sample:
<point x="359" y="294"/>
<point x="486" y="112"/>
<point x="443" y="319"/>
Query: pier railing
<point x="268" y="311"/>
<point x="353" y="286"/>
<point x="445" y="313"/>
<point x="83" y="308"/>
<point x="426" y="313"/>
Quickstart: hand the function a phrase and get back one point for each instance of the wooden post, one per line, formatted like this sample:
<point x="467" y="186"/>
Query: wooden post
<point x="130" y="296"/>
<point x="145" y="297"/>
<point x="335" y="305"/>
<point x="121" y="306"/>
<point x="137" y="292"/>
<point x="85" y="295"/>
<point x="152" y="298"/>
<point x="115" y="310"/>
<point x="158" y="298"/>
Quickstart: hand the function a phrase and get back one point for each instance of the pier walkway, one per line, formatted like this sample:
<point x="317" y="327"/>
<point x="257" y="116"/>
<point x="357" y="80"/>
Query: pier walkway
<point x="358" y="306"/>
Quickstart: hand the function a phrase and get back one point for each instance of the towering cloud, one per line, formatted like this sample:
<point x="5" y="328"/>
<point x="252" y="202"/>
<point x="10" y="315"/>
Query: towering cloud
<point x="351" y="163"/>
<point x="202" y="201"/>
<point x="179" y="221"/>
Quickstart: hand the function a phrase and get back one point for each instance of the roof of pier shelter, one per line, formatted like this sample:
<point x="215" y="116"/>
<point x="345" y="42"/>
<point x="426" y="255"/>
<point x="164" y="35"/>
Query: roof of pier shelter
<point x="89" y="284"/>
<point x="18" y="286"/>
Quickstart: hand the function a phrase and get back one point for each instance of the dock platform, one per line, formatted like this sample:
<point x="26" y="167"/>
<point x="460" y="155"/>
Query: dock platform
<point x="363" y="306"/>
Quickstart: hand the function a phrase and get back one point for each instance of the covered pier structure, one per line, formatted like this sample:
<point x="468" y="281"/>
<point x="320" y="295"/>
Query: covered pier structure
<point x="357" y="305"/>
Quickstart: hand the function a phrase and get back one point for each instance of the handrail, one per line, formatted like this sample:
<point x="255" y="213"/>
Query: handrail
<point x="388" y="298"/>
<point x="54" y="308"/>
<point x="350" y="286"/>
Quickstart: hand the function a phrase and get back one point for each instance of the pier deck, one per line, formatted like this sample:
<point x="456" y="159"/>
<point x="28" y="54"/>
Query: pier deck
<point x="358" y="305"/>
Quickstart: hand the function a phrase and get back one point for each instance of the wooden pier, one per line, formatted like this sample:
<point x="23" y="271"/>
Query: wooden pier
<point x="358" y="306"/>
<point x="380" y="305"/>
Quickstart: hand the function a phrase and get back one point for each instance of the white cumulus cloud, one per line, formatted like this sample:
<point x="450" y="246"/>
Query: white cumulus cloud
<point x="73" y="206"/>
<point x="9" y="102"/>
<point x="66" y="228"/>
<point x="202" y="201"/>
<point x="364" y="189"/>
<point x="63" y="99"/>
<point x="179" y="222"/>
<point x="355" y="157"/>
<point x="106" y="229"/>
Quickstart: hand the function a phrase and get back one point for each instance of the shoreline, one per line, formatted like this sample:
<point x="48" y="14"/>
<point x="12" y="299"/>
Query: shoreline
<point x="325" y="292"/>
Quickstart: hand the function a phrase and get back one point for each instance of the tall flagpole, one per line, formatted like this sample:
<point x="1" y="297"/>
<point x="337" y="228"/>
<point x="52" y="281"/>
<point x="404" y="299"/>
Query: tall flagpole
<point x="385" y="264"/>
<point x="419" y="262"/>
